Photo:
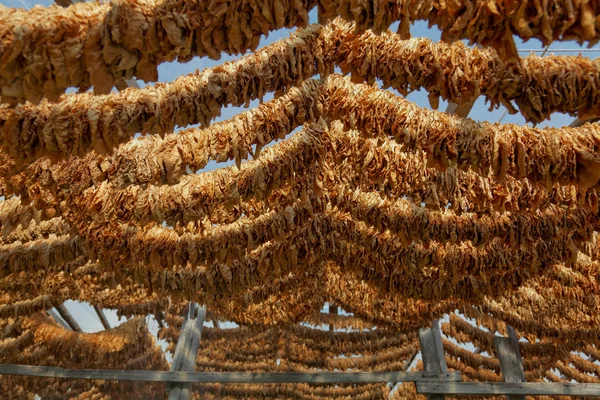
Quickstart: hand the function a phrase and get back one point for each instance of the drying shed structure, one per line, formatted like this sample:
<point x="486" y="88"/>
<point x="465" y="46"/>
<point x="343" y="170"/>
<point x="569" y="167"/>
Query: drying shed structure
<point x="354" y="245"/>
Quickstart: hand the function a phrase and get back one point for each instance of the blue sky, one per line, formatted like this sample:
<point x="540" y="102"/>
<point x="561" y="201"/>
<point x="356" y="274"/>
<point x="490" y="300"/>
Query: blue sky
<point x="169" y="71"/>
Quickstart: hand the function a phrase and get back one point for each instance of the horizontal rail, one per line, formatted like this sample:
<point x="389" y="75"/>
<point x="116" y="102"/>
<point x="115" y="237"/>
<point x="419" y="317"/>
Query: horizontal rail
<point x="226" y="377"/>
<point x="505" y="388"/>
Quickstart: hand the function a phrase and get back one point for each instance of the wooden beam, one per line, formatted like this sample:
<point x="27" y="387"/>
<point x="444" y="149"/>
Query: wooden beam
<point x="333" y="309"/>
<point x="463" y="109"/>
<point x="410" y="360"/>
<point x="578" y="122"/>
<point x="510" y="365"/>
<point x="226" y="377"/>
<point x="159" y="317"/>
<point x="432" y="348"/>
<point x="122" y="84"/>
<point x="102" y="317"/>
<point x="405" y="367"/>
<point x="506" y="388"/>
<point x="67" y="3"/>
<point x="190" y="311"/>
<point x="512" y="335"/>
<point x="188" y="343"/>
<point x="58" y="319"/>
<point x="186" y="350"/>
<point x="432" y="351"/>
<point x="66" y="315"/>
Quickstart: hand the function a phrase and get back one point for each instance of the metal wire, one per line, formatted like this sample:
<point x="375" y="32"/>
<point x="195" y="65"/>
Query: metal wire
<point x="90" y="312"/>
<point x="559" y="50"/>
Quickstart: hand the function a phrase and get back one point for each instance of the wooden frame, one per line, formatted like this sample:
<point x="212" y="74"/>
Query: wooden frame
<point x="432" y="351"/>
<point x="226" y="377"/>
<point x="68" y="318"/>
<point x="186" y="350"/>
<point x="509" y="356"/>
<point x="509" y="388"/>
<point x="435" y="381"/>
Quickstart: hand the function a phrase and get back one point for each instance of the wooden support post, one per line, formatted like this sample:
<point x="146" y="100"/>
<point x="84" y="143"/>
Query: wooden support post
<point x="191" y="311"/>
<point x="432" y="351"/>
<point x="405" y="367"/>
<point x="512" y="335"/>
<point x="512" y="369"/>
<point x="333" y="309"/>
<point x="461" y="110"/>
<point x="102" y="317"/>
<point x="409" y="361"/>
<point x="122" y="84"/>
<point x="186" y="350"/>
<point x="216" y="323"/>
<point x="67" y="3"/>
<point x="578" y="122"/>
<point x="66" y="315"/>
<point x="58" y="319"/>
<point x="159" y="317"/>
<point x="509" y="356"/>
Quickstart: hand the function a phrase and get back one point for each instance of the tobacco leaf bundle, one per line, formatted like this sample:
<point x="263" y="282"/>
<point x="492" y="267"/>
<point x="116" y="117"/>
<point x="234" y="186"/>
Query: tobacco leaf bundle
<point x="490" y="23"/>
<point x="537" y="86"/>
<point x="82" y="122"/>
<point x="545" y="156"/>
<point x="49" y="49"/>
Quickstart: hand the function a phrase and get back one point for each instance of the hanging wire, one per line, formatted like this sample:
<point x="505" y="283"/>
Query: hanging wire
<point x="559" y="50"/>
<point x="92" y="314"/>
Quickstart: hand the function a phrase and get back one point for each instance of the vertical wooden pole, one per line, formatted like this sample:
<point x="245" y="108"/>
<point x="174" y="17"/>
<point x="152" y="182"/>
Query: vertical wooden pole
<point x="509" y="356"/>
<point x="159" y="317"/>
<point x="186" y="350"/>
<point x="432" y="351"/>
<point x="191" y="311"/>
<point x="333" y="309"/>
<point x="462" y="110"/>
<point x="102" y="317"/>
<point x="512" y="335"/>
<point x="66" y="315"/>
